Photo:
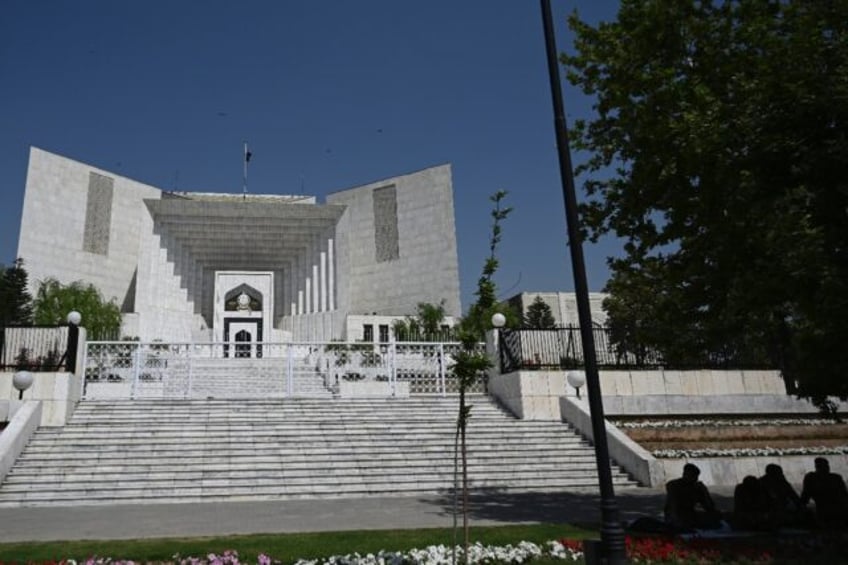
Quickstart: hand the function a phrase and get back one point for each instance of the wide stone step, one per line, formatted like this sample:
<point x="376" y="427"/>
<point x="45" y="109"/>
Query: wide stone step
<point x="375" y="451"/>
<point x="284" y="433"/>
<point x="284" y="474"/>
<point x="411" y="442"/>
<point x="281" y="406"/>
<point x="259" y="415"/>
<point x="317" y="462"/>
<point x="129" y="451"/>
<point x="200" y="493"/>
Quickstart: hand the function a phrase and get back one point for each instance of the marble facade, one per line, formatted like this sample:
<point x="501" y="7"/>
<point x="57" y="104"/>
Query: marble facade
<point x="179" y="263"/>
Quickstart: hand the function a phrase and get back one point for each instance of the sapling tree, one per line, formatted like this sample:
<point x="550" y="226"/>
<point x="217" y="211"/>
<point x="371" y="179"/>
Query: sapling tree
<point x="470" y="362"/>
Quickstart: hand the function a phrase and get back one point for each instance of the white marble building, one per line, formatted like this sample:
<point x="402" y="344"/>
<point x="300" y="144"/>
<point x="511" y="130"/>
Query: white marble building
<point x="563" y="306"/>
<point x="187" y="266"/>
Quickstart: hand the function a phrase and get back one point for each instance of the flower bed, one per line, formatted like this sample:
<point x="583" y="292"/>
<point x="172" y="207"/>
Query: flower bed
<point x="640" y="550"/>
<point x="748" y="437"/>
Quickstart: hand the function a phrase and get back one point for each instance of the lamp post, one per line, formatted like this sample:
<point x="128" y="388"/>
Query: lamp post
<point x="576" y="379"/>
<point x="612" y="534"/>
<point x="498" y="321"/>
<point x="74" y="319"/>
<point x="22" y="380"/>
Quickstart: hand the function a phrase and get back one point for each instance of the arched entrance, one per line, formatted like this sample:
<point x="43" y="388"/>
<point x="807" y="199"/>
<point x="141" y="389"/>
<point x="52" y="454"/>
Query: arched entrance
<point x="243" y="312"/>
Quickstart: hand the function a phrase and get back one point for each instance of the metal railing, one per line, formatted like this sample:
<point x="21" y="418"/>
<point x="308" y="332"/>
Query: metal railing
<point x="129" y="369"/>
<point x="561" y="349"/>
<point x="34" y="348"/>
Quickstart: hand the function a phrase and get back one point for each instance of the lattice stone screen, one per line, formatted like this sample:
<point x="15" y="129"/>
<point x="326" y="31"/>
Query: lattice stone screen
<point x="98" y="214"/>
<point x="386" y="224"/>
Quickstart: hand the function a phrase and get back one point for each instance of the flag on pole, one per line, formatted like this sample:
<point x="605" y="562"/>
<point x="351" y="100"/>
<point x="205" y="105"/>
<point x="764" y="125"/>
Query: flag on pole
<point x="247" y="155"/>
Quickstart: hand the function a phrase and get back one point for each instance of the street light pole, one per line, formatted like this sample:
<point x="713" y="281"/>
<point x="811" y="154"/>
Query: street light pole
<point x="612" y="534"/>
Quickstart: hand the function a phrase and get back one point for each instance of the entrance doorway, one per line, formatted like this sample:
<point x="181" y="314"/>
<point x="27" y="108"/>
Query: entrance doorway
<point x="244" y="336"/>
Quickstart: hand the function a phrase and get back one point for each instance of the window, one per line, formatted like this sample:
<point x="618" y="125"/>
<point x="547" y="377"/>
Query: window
<point x="384" y="333"/>
<point x="367" y="332"/>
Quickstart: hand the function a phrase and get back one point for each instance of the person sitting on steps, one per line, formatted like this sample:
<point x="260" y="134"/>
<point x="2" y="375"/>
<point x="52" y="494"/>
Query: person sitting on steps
<point x="750" y="505"/>
<point x="683" y="496"/>
<point x="784" y="504"/>
<point x="828" y="491"/>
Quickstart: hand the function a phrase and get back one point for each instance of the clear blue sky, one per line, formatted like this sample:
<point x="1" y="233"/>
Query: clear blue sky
<point x="329" y="95"/>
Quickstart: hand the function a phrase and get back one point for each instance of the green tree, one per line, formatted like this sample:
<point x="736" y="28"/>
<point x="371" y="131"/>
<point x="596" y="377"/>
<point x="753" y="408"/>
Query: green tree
<point x="53" y="301"/>
<point x="539" y="315"/>
<point x="15" y="299"/>
<point x="426" y="325"/>
<point x="469" y="363"/>
<point x="718" y="154"/>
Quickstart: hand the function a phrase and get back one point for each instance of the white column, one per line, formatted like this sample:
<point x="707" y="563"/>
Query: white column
<point x="292" y="280"/>
<point x="308" y="293"/>
<point x="331" y="276"/>
<point x="323" y="281"/>
<point x="314" y="261"/>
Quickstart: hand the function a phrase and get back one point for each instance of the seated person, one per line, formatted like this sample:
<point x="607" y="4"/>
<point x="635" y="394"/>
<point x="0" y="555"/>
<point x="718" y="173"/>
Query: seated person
<point x="750" y="505"/>
<point x="683" y="495"/>
<point x="784" y="504"/>
<point x="828" y="491"/>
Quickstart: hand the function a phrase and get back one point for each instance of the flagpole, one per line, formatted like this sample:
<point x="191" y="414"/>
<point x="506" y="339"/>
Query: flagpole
<point x="244" y="177"/>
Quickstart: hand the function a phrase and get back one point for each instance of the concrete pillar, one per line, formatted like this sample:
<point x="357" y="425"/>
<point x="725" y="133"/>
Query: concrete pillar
<point x="314" y="260"/>
<point x="331" y="276"/>
<point x="323" y="281"/>
<point x="308" y="293"/>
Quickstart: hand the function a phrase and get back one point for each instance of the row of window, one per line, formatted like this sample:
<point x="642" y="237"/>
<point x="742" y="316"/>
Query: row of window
<point x="368" y="332"/>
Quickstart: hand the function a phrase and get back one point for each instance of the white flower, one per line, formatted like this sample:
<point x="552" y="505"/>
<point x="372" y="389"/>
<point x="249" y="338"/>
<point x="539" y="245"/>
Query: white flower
<point x="720" y="423"/>
<point x="749" y="452"/>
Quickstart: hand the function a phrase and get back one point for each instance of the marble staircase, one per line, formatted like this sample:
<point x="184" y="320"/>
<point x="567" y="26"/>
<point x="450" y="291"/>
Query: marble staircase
<point x="156" y="451"/>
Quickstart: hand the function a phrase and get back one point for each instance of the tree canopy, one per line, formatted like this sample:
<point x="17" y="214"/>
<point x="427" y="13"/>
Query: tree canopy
<point x="15" y="299"/>
<point x="54" y="300"/>
<point x="719" y="153"/>
<point x="426" y="325"/>
<point x="539" y="315"/>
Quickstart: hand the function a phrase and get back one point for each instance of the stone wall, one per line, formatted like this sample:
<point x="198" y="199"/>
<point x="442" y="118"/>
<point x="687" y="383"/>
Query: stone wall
<point x="53" y="225"/>
<point x="59" y="394"/>
<point x="399" y="245"/>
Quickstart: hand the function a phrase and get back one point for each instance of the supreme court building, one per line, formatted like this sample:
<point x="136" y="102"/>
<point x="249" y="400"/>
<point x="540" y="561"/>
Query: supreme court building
<point x="203" y="267"/>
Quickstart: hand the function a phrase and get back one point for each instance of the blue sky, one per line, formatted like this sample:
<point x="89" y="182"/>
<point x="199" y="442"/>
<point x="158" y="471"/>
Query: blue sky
<point x="329" y="95"/>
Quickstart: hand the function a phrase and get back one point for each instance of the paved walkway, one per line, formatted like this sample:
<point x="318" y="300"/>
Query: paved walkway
<point x="227" y="518"/>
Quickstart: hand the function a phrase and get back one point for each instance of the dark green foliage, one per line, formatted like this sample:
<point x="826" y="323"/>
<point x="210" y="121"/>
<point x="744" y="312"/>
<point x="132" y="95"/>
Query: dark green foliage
<point x="15" y="299"/>
<point x="718" y="153"/>
<point x="539" y="315"/>
<point x="426" y="325"/>
<point x="26" y="360"/>
<point x="53" y="302"/>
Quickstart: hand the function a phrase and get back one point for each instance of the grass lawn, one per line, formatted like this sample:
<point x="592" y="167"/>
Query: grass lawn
<point x="283" y="547"/>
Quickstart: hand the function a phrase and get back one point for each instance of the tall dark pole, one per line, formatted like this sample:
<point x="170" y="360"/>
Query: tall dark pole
<point x="612" y="534"/>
